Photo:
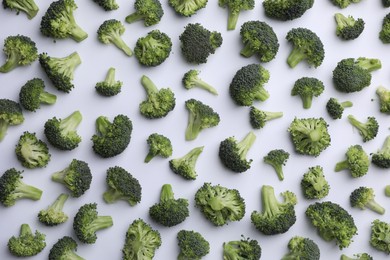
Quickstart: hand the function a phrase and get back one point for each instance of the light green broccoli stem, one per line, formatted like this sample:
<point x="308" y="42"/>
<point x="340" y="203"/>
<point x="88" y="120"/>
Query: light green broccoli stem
<point x="131" y="18"/>
<point x="246" y="144"/>
<point x="11" y="63"/>
<point x="148" y="85"/>
<point x="261" y="94"/>
<point x="346" y="104"/>
<point x="60" y="176"/>
<point x="23" y="190"/>
<point x="307" y="101"/>
<point x="102" y="124"/>
<point x="343" y="21"/>
<point x="47" y="98"/>
<point x="313" y="134"/>
<point x="369" y="64"/>
<point x="101" y="222"/>
<point x="76" y="33"/>
<point x="71" y="255"/>
<point x="3" y="129"/>
<point x="374" y="206"/>
<point x="25" y="230"/>
<point x="110" y="77"/>
<point x="204" y="85"/>
<point x="269" y="201"/>
<point x="272" y="115"/>
<point x="149" y="157"/>
<point x="71" y="61"/>
<point x="166" y="193"/>
<point x="120" y="43"/>
<point x="247" y="51"/>
<point x="387" y="190"/>
<point x="232" y="20"/>
<point x="59" y="203"/>
<point x="111" y="195"/>
<point x="295" y="57"/>
<point x="343" y="165"/>
<point x="70" y="123"/>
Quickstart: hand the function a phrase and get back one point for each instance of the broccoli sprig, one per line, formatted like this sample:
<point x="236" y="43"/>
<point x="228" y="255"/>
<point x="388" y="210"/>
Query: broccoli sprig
<point x="54" y="214"/>
<point x="159" y="145"/>
<point x="187" y="8"/>
<point x="381" y="158"/>
<point x="185" y="165"/>
<point x="307" y="88"/>
<point x="64" y="248"/>
<point x="362" y="256"/>
<point x="344" y="3"/>
<point x="302" y="248"/>
<point x="192" y="245"/>
<point x="380" y="236"/>
<point x="384" y="33"/>
<point x="313" y="183"/>
<point x="235" y="7"/>
<point x="27" y="6"/>
<point x="244" y="249"/>
<point x="259" y="118"/>
<point x="285" y="10"/>
<point x="384" y="99"/>
<point x="335" y="108"/>
<point x="10" y="114"/>
<point x="150" y="11"/>
<point x="357" y="161"/>
<point x="32" y="94"/>
<point x="364" y="197"/>
<point x="110" y="32"/>
<point x="191" y="79"/>
<point x="368" y="130"/>
<point x="27" y="243"/>
<point x="347" y="27"/>
<point x="109" y="87"/>
<point x="107" y="5"/>
<point x="277" y="159"/>
<point x="32" y="152"/>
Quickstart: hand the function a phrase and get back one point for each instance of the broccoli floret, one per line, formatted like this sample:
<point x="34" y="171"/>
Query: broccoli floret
<point x="192" y="245"/>
<point x="219" y="204"/>
<point x="368" y="130"/>
<point x="10" y="114"/>
<point x="276" y="217"/>
<point x="112" y="138"/>
<point x="185" y="165"/>
<point x="32" y="152"/>
<point x="247" y="85"/>
<point x="235" y="7"/>
<point x="307" y="88"/>
<point x="313" y="183"/>
<point x="60" y="70"/>
<point x="384" y="99"/>
<point x="169" y="211"/>
<point x="27" y="6"/>
<point x="197" y="43"/>
<point x="380" y="236"/>
<point x="54" y="214"/>
<point x="62" y="133"/>
<point x="150" y="11"/>
<point x="384" y="33"/>
<point x="187" y="8"/>
<point x="200" y="117"/>
<point x="121" y="185"/>
<point x="32" y="94"/>
<point x="159" y="145"/>
<point x="285" y="10"/>
<point x="64" y="248"/>
<point x="353" y="75"/>
<point x="258" y="118"/>
<point x="159" y="102"/>
<point x="357" y="161"/>
<point x="12" y="188"/>
<point x="335" y="108"/>
<point x="20" y="51"/>
<point x="110" y="32"/>
<point x="109" y="87"/>
<point x="27" y="243"/>
<point x="347" y="27"/>
<point x="141" y="241"/>
<point x="363" y="256"/>
<point x="344" y="3"/>
<point x="364" y="197"/>
<point x="332" y="222"/>
<point x="233" y="153"/>
<point x="310" y="136"/>
<point x="76" y="177"/>
<point x="381" y="158"/>
<point x="191" y="79"/>
<point x="153" y="49"/>
<point x="277" y="159"/>
<point x="244" y="249"/>
<point x="302" y="248"/>
<point x="87" y="222"/>
<point x="107" y="5"/>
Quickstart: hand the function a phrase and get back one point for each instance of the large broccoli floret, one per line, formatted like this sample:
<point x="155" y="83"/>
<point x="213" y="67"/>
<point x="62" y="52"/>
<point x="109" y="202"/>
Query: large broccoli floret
<point x="380" y="236"/>
<point x="244" y="249"/>
<point x="363" y="256"/>
<point x="219" y="204"/>
<point x="27" y="6"/>
<point x="384" y="99"/>
<point x="141" y="241"/>
<point x="313" y="183"/>
<point x="32" y="94"/>
<point x="159" y="145"/>
<point x="54" y="214"/>
<point x="258" y="118"/>
<point x="27" y="243"/>
<point x="381" y="158"/>
<point x="384" y="33"/>
<point x="302" y="248"/>
<point x="32" y="152"/>
<point x="185" y="165"/>
<point x="335" y="108"/>
<point x="368" y="130"/>
<point x="364" y="198"/>
<point x="110" y="32"/>
<point x="357" y="161"/>
<point x="109" y="87"/>
<point x="150" y="11"/>
<point x="192" y="245"/>
<point x="191" y="79"/>
<point x="64" y="248"/>
<point x="277" y="159"/>
<point x="235" y="7"/>
<point x="187" y="7"/>
<point x="285" y="10"/>
<point x="344" y="3"/>
<point x="59" y="22"/>
<point x="10" y="114"/>
<point x="107" y="5"/>
<point x="307" y="88"/>
<point x="347" y="27"/>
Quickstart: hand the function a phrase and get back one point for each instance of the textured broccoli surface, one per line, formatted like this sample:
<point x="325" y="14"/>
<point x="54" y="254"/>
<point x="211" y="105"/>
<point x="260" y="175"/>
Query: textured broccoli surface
<point x="10" y="114"/>
<point x="347" y="27"/>
<point x="380" y="236"/>
<point x="307" y="88"/>
<point x="149" y="11"/>
<point x="357" y="161"/>
<point x="185" y="165"/>
<point x="381" y="158"/>
<point x="258" y="118"/>
<point x="277" y="158"/>
<point x="64" y="248"/>
<point x="192" y="245"/>
<point x="364" y="198"/>
<point x="31" y="151"/>
<point x="362" y="256"/>
<point x="313" y="183"/>
<point x="187" y="8"/>
<point x="344" y="3"/>
<point x="54" y="215"/>
<point x="368" y="130"/>
<point x="110" y="32"/>
<point x="27" y="6"/>
<point x="243" y="249"/>
<point x="384" y="33"/>
<point x="107" y="5"/>
<point x="335" y="108"/>
<point x="235" y="7"/>
<point x="191" y="79"/>
<point x="302" y="248"/>
<point x="32" y="94"/>
<point x="27" y="243"/>
<point x="285" y="10"/>
<point x="159" y="145"/>
<point x="109" y="86"/>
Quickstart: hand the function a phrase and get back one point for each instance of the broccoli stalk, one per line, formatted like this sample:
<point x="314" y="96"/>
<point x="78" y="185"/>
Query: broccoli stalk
<point x="185" y="165"/>
<point x="64" y="248"/>
<point x="111" y="31"/>
<point x="27" y="6"/>
<point x="277" y="159"/>
<point x="191" y="79"/>
<point x="235" y="7"/>
<point x="27" y="243"/>
<point x="364" y="197"/>
<point x="54" y="214"/>
<point x="368" y="130"/>
<point x="381" y="158"/>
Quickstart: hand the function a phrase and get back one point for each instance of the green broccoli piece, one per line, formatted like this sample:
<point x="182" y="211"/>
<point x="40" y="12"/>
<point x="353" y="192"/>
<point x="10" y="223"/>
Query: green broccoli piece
<point x="109" y="87"/>
<point x="32" y="152"/>
<point x="285" y="10"/>
<point x="10" y="114"/>
<point x="150" y="11"/>
<point x="87" y="222"/>
<point x="302" y="248"/>
<point x="384" y="99"/>
<point x="169" y="211"/>
<point x="235" y="7"/>
<point x="368" y="130"/>
<point x="335" y="108"/>
<point x="219" y="204"/>
<point x="185" y="165"/>
<point x="158" y="145"/>
<point x="32" y="94"/>
<point x="276" y="217"/>
<point x="20" y="51"/>
<point x="76" y="177"/>
<point x="27" y="243"/>
<point x="386" y="3"/>
<point x="197" y="43"/>
<point x="363" y="256"/>
<point x="277" y="159"/>
<point x="344" y="3"/>
<point x="60" y="70"/>
<point x="347" y="27"/>
<point x="387" y="190"/>
<point x="27" y="6"/>
<point x="107" y="5"/>
<point x="110" y="32"/>
<point x="187" y="8"/>
<point x="192" y="245"/>
<point x="64" y="248"/>
<point x="384" y="33"/>
<point x="380" y="236"/>
<point x="141" y="241"/>
<point x="307" y="88"/>
<point x="310" y="136"/>
<point x="12" y="188"/>
<point x="191" y="79"/>
<point x="357" y="161"/>
<point x="258" y="118"/>
<point x="54" y="214"/>
<point x="112" y="138"/>
<point x="381" y="158"/>
<point x="313" y="183"/>
<point x="244" y="249"/>
<point x="364" y="197"/>
<point x="121" y="185"/>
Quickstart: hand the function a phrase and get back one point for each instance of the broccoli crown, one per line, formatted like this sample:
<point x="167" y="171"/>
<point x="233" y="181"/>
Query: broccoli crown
<point x="76" y="177"/>
<point x="87" y="221"/>
<point x="310" y="136"/>
<point x="187" y="8"/>
<point x="185" y="165"/>
<point x="59" y="23"/>
<point x="197" y="43"/>
<point x="27" y="243"/>
<point x="110" y="32"/>
<point x="307" y="88"/>
<point x="20" y="51"/>
<point x="235" y="7"/>
<point x="158" y="145"/>
<point x="259" y="39"/>
<point x="33" y="94"/>
<point x="335" y="108"/>
<point x="191" y="79"/>
<point x="344" y="3"/>
<point x="219" y="204"/>
<point x="109" y="87"/>
<point x="313" y="183"/>
<point x="347" y="27"/>
<point x="169" y="211"/>
<point x="60" y="70"/>
<point x="384" y="33"/>
<point x="363" y="256"/>
<point x="27" y="6"/>
<point x="10" y="114"/>
<point x="381" y="158"/>
<point x="54" y="214"/>
<point x="332" y="222"/>
<point x="277" y="159"/>
<point x="244" y="249"/>
<point x="384" y="99"/>
<point x="380" y="236"/>
<point x="112" y="138"/>
<point x="122" y="186"/>
<point x="32" y="152"/>
<point x="285" y="10"/>
<point x="12" y="188"/>
<point x="192" y="245"/>
<point x="150" y="11"/>
<point x="141" y="241"/>
<point x="302" y="248"/>
<point x="153" y="49"/>
<point x="64" y="248"/>
<point x="258" y="118"/>
<point x="62" y="133"/>
<point x="364" y="197"/>
<point x="357" y="161"/>
<point x="107" y="5"/>
<point x="247" y="85"/>
<point x="368" y="130"/>
<point x="276" y="217"/>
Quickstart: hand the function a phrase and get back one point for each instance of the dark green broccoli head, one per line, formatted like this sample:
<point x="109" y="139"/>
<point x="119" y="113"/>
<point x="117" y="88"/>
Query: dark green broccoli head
<point x="64" y="248"/>
<point x="285" y="10"/>
<point x="32" y="94"/>
<point x="277" y="159"/>
<point x="192" y="245"/>
<point x="234" y="8"/>
<point x="364" y="197"/>
<point x="307" y="88"/>
<point x="381" y="158"/>
<point x="27" y="6"/>
<point x="54" y="214"/>
<point x="10" y="114"/>
<point x="302" y="248"/>
<point x="368" y="130"/>
<point x="313" y="183"/>
<point x="380" y="236"/>
<point x="191" y="79"/>
<point x="27" y="243"/>
<point x="258" y="118"/>
<point x="109" y="87"/>
<point x="107" y="5"/>
<point x="384" y="33"/>
<point x="344" y="3"/>
<point x="158" y="145"/>
<point x="32" y="152"/>
<point x="187" y="8"/>
<point x="185" y="165"/>
<point x="150" y="11"/>
<point x="363" y="256"/>
<point x="384" y="99"/>
<point x="347" y="27"/>
<point x="244" y="249"/>
<point x="357" y="161"/>
<point x="110" y="32"/>
<point x="386" y="3"/>
<point x="335" y="108"/>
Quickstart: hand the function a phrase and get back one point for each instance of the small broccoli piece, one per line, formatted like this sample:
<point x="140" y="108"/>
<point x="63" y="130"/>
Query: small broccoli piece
<point x="112" y="138"/>
<point x="64" y="248"/>
<point x="244" y="249"/>
<point x="76" y="177"/>
<point x="121" y="185"/>
<point x="87" y="222"/>
<point x="27" y="6"/>
<point x="363" y="256"/>
<point x="192" y="245"/>
<point x="302" y="248"/>
<point x="364" y="198"/>
<point x="191" y="79"/>
<point x="235" y="7"/>
<point x="381" y="158"/>
<point x="387" y="190"/>
<point x="109" y="87"/>
<point x="277" y="159"/>
<point x="335" y="108"/>
<point x="332" y="222"/>
<point x="368" y="130"/>
<point x="62" y="133"/>
<point x="285" y="10"/>
<point x="313" y="183"/>
<point x="347" y="27"/>
<point x="384" y="33"/>
<point x="307" y="88"/>
<point x="200" y="117"/>
<point x="54" y="214"/>
<point x="357" y="161"/>
<point x="159" y="102"/>
<point x="20" y="51"/>
<point x="310" y="136"/>
<point x="32" y="152"/>
<point x="384" y="99"/>
<point x="344" y="3"/>
<point x="32" y="94"/>
<point x="185" y="165"/>
<point x="60" y="70"/>
<point x="380" y="236"/>
<point x="141" y="241"/>
<point x="110" y="32"/>
<point x="150" y="11"/>
<point x="258" y="118"/>
<point x="27" y="243"/>
<point x="158" y="145"/>
<point x="169" y="211"/>
<point x="153" y="49"/>
<point x="386" y="3"/>
<point x="220" y="204"/>
<point x="107" y="5"/>
<point x="10" y="114"/>
<point x="197" y="43"/>
<point x="187" y="8"/>
<point x="12" y="188"/>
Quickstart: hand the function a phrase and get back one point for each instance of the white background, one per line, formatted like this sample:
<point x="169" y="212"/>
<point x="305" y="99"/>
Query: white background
<point x="218" y="71"/>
